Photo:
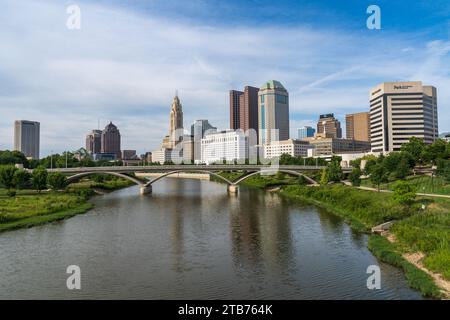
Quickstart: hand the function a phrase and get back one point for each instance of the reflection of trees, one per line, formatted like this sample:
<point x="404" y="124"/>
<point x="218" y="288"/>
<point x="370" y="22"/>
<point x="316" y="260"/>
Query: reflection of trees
<point x="260" y="231"/>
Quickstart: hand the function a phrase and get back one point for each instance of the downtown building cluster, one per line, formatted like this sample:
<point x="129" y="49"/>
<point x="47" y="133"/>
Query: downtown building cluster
<point x="259" y="128"/>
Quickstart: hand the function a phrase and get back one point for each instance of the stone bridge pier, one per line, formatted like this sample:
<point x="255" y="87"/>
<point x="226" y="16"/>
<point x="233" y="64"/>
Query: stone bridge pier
<point x="145" y="189"/>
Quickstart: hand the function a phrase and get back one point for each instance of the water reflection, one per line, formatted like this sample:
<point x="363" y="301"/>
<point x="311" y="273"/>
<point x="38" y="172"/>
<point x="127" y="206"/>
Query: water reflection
<point x="190" y="239"/>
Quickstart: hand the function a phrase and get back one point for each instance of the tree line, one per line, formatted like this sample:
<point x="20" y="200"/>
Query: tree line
<point x="13" y="179"/>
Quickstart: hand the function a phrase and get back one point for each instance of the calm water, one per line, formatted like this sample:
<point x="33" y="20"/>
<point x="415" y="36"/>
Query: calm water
<point x="190" y="239"/>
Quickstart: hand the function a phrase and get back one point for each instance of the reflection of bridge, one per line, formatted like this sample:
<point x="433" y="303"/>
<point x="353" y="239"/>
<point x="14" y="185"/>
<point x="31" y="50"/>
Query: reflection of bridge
<point x="146" y="187"/>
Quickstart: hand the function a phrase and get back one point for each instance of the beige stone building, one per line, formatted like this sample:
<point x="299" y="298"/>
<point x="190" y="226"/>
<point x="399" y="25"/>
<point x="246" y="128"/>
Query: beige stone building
<point x="357" y="126"/>
<point x="399" y="111"/>
<point x="293" y="147"/>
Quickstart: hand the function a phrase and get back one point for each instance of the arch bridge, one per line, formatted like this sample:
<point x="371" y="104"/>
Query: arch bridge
<point x="167" y="170"/>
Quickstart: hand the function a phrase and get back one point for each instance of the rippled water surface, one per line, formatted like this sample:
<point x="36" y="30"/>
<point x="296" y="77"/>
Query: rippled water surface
<point x="190" y="239"/>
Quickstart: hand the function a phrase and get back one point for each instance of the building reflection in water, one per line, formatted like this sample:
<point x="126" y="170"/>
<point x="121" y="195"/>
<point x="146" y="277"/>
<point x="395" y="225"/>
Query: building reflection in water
<point x="260" y="231"/>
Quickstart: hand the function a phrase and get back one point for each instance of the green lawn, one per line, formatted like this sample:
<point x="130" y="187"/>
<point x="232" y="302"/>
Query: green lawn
<point x="29" y="210"/>
<point x="424" y="184"/>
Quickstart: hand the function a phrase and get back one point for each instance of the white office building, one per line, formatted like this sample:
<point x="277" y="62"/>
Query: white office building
<point x="223" y="146"/>
<point x="293" y="147"/>
<point x="399" y="111"/>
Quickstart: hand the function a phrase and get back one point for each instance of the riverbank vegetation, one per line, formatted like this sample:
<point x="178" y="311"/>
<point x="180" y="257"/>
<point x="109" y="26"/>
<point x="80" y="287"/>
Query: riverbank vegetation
<point x="387" y="252"/>
<point x="421" y="223"/>
<point x="32" y="202"/>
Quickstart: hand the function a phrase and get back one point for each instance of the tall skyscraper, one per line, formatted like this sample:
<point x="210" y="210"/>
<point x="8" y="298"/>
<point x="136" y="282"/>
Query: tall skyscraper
<point x="175" y="125"/>
<point x="273" y="112"/>
<point x="399" y="111"/>
<point x="329" y="126"/>
<point x="244" y="109"/>
<point x="236" y="98"/>
<point x="94" y="142"/>
<point x="357" y="126"/>
<point x="306" y="132"/>
<point x="27" y="138"/>
<point x="111" y="140"/>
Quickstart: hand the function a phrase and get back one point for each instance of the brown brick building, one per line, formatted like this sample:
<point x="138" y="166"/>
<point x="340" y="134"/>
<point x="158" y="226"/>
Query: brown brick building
<point x="244" y="109"/>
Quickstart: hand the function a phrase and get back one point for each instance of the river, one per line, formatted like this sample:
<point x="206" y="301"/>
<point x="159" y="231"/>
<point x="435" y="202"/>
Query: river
<point x="191" y="240"/>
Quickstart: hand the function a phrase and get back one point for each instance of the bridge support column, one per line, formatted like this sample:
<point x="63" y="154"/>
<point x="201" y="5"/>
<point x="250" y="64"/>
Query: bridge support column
<point x="146" y="189"/>
<point x="232" y="188"/>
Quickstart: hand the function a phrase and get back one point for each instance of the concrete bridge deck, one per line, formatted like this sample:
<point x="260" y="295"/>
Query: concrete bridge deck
<point x="166" y="170"/>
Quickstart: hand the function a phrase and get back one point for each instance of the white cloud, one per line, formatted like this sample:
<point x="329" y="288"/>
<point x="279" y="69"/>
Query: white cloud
<point x="126" y="67"/>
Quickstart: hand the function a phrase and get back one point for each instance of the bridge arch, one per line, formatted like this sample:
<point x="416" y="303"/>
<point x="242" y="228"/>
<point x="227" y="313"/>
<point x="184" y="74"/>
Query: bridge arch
<point x="188" y="171"/>
<point x="293" y="173"/>
<point x="78" y="176"/>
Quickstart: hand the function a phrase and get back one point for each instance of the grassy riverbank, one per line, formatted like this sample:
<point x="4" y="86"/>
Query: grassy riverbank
<point x="262" y="182"/>
<point x="388" y="252"/>
<point x="415" y="229"/>
<point x="29" y="208"/>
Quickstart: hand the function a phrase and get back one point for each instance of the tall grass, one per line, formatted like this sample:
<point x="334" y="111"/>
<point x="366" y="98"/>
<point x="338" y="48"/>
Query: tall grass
<point x="417" y="279"/>
<point x="361" y="209"/>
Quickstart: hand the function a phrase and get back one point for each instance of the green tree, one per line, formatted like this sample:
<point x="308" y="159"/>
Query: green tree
<point x="378" y="175"/>
<point x="334" y="171"/>
<point x="56" y="180"/>
<point x="404" y="193"/>
<point x="21" y="179"/>
<point x="415" y="147"/>
<point x="355" y="177"/>
<point x="370" y="164"/>
<point x="39" y="178"/>
<point x="443" y="169"/>
<point x="12" y="158"/>
<point x="324" y="177"/>
<point x="434" y="151"/>
<point x="402" y="170"/>
<point x="7" y="177"/>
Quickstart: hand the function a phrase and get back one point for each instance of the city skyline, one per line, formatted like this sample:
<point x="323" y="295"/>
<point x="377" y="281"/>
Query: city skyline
<point x="48" y="77"/>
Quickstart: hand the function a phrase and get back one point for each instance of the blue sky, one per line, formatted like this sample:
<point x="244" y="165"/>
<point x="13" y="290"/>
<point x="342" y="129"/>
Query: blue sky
<point x="129" y="57"/>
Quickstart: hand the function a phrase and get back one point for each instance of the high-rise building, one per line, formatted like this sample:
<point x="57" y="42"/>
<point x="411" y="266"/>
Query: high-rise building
<point x="175" y="125"/>
<point x="236" y="99"/>
<point x="244" y="109"/>
<point x="399" y="111"/>
<point x="111" y="140"/>
<point x="358" y="126"/>
<point x="329" y="126"/>
<point x="306" y="132"/>
<point x="94" y="141"/>
<point x="26" y="138"/>
<point x="273" y="112"/>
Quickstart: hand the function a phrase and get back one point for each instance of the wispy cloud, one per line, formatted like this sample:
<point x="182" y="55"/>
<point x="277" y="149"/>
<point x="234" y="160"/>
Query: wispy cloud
<point x="125" y="67"/>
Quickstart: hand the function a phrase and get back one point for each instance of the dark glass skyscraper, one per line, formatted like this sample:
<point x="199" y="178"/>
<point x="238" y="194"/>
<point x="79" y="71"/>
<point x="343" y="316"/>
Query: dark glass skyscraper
<point x="111" y="140"/>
